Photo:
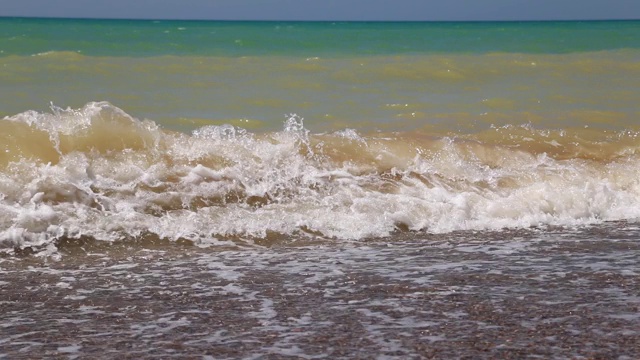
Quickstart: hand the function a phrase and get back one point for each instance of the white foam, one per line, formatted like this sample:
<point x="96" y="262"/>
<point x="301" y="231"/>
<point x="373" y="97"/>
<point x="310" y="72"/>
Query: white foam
<point x="225" y="182"/>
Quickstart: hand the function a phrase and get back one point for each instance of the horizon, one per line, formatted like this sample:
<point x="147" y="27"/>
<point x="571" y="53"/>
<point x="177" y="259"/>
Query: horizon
<point x="316" y="20"/>
<point x="328" y="10"/>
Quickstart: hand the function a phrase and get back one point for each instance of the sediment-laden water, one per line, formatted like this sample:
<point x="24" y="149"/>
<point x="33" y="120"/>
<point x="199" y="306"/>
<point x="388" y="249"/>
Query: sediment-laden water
<point x="337" y="190"/>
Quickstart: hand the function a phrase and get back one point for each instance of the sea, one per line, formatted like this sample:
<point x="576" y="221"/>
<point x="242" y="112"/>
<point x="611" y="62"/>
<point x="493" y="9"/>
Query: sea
<point x="273" y="190"/>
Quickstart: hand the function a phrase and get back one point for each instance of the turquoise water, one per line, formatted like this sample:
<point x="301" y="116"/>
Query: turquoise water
<point x="366" y="75"/>
<point x="209" y="38"/>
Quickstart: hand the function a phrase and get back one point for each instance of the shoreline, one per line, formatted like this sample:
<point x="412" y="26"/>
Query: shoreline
<point x="551" y="294"/>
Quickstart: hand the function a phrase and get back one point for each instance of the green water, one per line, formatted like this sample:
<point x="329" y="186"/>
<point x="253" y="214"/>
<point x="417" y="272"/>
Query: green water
<point x="21" y="36"/>
<point x="442" y="77"/>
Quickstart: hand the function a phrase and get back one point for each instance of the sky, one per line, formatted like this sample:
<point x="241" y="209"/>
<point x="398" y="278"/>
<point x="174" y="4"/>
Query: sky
<point x="386" y="10"/>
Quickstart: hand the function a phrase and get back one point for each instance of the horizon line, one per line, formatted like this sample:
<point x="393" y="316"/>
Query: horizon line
<point x="317" y="20"/>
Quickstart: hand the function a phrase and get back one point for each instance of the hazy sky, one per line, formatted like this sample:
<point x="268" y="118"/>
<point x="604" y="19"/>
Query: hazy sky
<point x="328" y="9"/>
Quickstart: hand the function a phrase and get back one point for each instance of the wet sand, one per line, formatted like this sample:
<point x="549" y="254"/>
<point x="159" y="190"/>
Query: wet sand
<point x="476" y="295"/>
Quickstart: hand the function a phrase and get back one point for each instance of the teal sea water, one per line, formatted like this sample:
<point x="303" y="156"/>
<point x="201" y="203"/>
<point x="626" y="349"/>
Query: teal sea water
<point x="136" y="38"/>
<point x="218" y="131"/>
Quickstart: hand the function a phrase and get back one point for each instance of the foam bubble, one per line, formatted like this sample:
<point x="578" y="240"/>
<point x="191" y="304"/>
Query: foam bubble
<point x="108" y="176"/>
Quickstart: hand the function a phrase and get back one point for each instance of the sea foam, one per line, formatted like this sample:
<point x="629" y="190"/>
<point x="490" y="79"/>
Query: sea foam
<point x="97" y="172"/>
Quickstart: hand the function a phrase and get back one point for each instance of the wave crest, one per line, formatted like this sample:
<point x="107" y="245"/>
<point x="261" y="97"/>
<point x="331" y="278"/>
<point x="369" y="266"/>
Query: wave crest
<point x="98" y="172"/>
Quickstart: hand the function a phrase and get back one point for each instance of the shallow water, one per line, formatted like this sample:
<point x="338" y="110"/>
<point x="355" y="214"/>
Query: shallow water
<point x="539" y="293"/>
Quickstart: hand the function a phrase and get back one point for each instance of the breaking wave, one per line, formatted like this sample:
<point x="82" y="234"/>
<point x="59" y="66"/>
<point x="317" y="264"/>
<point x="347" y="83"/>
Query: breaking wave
<point x="97" y="172"/>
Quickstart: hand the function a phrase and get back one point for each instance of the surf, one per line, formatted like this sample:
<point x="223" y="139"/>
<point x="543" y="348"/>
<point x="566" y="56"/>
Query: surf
<point x="97" y="172"/>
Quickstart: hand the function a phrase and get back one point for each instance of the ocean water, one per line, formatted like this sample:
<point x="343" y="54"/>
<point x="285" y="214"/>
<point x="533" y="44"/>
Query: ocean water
<point x="386" y="168"/>
<point x="210" y="131"/>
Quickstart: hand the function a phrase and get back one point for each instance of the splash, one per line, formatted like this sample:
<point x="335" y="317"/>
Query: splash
<point x="96" y="172"/>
